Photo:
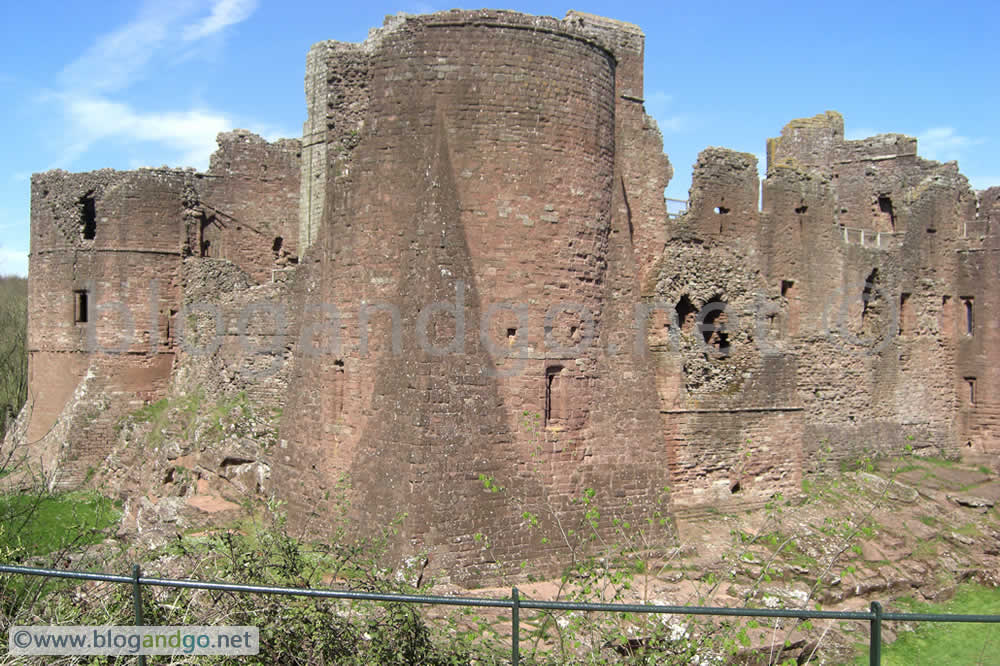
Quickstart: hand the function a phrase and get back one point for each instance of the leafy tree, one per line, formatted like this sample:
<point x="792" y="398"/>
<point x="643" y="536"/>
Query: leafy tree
<point x="13" y="348"/>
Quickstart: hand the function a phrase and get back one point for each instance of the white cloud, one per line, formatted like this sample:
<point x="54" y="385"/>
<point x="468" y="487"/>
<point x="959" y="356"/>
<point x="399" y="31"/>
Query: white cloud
<point x="420" y="8"/>
<point x="224" y="13"/>
<point x="13" y="262"/>
<point x="189" y="135"/>
<point x="943" y="143"/>
<point x="658" y="105"/>
<point x="92" y="88"/>
<point x="116" y="59"/>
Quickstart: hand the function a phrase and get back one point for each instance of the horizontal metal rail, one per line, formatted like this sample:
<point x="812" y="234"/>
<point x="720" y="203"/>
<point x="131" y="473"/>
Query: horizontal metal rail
<point x="875" y="615"/>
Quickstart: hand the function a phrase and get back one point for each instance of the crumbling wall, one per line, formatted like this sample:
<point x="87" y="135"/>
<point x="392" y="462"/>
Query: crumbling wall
<point x="972" y="311"/>
<point x="104" y="251"/>
<point x="493" y="315"/>
<point x="728" y="403"/>
<point x="337" y="86"/>
<point x="248" y="205"/>
<point x="106" y="289"/>
<point x="861" y="239"/>
<point x="236" y="337"/>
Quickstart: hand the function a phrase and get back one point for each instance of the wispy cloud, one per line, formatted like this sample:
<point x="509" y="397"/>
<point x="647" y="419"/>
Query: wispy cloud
<point x="190" y="134"/>
<point x="116" y="59"/>
<point x="937" y="143"/>
<point x="93" y="89"/>
<point x="224" y="13"/>
<point x="943" y="143"/>
<point x="658" y="105"/>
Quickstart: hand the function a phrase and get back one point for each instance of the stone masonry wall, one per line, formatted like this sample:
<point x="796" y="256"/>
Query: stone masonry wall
<point x="106" y="285"/>
<point x="462" y="291"/>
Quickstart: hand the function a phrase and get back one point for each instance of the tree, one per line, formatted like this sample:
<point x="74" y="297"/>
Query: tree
<point x="13" y="349"/>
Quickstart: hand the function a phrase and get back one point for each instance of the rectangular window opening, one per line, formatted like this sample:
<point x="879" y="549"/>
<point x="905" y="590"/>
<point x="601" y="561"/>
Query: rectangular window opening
<point x="88" y="216"/>
<point x="80" y="298"/>
<point x="554" y="403"/>
<point x="885" y="208"/>
<point x="970" y="322"/>
<point x="786" y="287"/>
<point x="904" y="313"/>
<point x="970" y="382"/>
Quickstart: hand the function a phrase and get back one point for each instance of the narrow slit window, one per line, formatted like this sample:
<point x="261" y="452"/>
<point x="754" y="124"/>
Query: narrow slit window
<point x="554" y="398"/>
<point x="88" y="216"/>
<point x="80" y="304"/>
<point x="970" y="383"/>
<point x="869" y="294"/>
<point x="970" y="321"/>
<point x="904" y="314"/>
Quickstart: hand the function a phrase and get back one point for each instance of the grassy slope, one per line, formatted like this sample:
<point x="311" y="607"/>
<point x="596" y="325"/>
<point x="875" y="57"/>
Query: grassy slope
<point x="38" y="525"/>
<point x="947" y="643"/>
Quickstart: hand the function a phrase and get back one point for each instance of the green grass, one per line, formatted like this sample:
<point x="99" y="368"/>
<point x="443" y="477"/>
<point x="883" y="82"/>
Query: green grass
<point x="36" y="525"/>
<point x="936" y="643"/>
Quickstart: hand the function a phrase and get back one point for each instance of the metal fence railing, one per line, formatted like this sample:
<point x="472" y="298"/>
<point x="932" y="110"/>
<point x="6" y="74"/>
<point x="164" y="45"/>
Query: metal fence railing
<point x="874" y="615"/>
<point x="675" y="207"/>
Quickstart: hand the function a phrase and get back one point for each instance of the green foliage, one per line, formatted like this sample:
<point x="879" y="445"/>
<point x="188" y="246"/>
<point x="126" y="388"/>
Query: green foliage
<point x="293" y="630"/>
<point x="191" y="417"/>
<point x="13" y="348"/>
<point x="947" y="642"/>
<point x="38" y="524"/>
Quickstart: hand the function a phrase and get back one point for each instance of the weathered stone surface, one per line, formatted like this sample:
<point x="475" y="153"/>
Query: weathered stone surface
<point x="463" y="280"/>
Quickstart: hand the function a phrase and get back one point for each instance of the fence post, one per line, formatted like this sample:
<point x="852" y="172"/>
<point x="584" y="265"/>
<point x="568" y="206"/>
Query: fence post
<point x="875" y="643"/>
<point x="137" y="603"/>
<point x="515" y="626"/>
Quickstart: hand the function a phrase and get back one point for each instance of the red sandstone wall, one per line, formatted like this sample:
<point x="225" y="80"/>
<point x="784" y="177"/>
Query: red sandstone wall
<point x="882" y="375"/>
<point x="122" y="252"/>
<point x="488" y="157"/>
<point x="509" y="157"/>
<point x="118" y="238"/>
<point x="730" y="414"/>
<point x="249" y="204"/>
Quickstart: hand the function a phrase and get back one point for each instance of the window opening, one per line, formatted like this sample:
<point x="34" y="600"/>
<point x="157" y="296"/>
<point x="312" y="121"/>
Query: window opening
<point x="685" y="313"/>
<point x="80" y="304"/>
<point x="885" y="207"/>
<point x="970" y="383"/>
<point x="904" y="313"/>
<point x="88" y="216"/>
<point x="713" y="327"/>
<point x="553" y="395"/>
<point x="867" y="296"/>
<point x="969" y="315"/>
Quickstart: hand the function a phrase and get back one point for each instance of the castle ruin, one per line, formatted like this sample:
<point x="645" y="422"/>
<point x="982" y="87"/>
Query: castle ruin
<point x="465" y="270"/>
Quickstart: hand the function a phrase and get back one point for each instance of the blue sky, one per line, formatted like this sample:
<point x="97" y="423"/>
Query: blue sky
<point x="148" y="83"/>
